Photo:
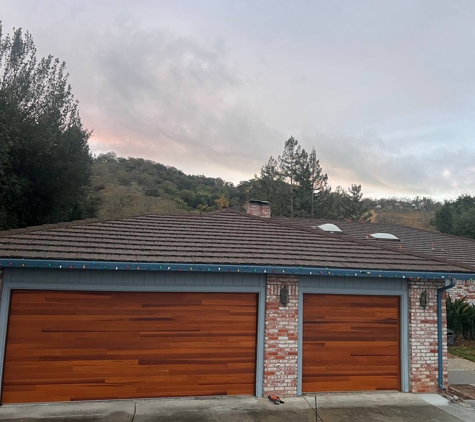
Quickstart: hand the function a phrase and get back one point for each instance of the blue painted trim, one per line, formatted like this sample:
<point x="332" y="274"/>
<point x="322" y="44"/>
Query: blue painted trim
<point x="440" y="339"/>
<point x="261" y="322"/>
<point x="262" y="269"/>
<point x="4" y="314"/>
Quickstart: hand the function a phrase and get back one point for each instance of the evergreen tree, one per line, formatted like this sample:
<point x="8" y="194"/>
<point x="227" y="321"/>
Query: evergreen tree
<point x="335" y="201"/>
<point x="355" y="208"/>
<point x="319" y="188"/>
<point x="288" y="163"/>
<point x="457" y="217"/>
<point x="302" y="185"/>
<point x="45" y="162"/>
<point x="271" y="187"/>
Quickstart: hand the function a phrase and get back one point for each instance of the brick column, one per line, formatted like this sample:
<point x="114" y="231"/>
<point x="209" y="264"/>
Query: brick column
<point x="281" y="337"/>
<point x="423" y="339"/>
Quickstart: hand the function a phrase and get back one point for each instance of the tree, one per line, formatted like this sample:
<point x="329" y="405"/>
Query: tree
<point x="457" y="217"/>
<point x="294" y="184"/>
<point x="335" y="203"/>
<point x="270" y="186"/>
<point x="45" y="163"/>
<point x="354" y="206"/>
<point x="318" y="183"/>
<point x="269" y="176"/>
<point x="222" y="202"/>
<point x="288" y="166"/>
<point x="303" y="187"/>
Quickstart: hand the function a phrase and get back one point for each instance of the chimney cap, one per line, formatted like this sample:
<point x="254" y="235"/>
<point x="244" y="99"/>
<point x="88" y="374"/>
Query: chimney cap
<point x="258" y="202"/>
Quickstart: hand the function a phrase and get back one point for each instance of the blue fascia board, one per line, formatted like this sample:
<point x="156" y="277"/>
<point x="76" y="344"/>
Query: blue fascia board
<point x="260" y="269"/>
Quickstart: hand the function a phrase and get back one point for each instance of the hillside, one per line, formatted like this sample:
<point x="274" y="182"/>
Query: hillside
<point x="420" y="219"/>
<point x="123" y="187"/>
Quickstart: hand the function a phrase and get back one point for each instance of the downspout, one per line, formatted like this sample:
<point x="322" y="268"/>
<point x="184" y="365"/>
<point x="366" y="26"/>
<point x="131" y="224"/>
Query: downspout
<point x="440" y="353"/>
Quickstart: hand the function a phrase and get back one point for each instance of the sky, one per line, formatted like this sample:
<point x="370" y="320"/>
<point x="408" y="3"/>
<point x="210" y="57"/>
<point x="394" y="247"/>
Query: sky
<point x="383" y="90"/>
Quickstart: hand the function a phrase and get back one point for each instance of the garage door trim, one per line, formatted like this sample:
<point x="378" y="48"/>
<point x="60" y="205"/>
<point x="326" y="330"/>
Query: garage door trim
<point x="404" y="317"/>
<point x="260" y="290"/>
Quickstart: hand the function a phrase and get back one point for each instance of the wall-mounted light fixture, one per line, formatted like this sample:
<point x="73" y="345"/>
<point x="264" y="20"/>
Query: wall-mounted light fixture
<point x="284" y="296"/>
<point x="424" y="299"/>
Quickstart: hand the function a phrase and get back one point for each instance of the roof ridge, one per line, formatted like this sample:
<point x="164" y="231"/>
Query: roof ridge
<point x="403" y="251"/>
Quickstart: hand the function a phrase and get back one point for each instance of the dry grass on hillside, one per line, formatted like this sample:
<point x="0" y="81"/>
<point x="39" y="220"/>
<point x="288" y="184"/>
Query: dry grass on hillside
<point x="120" y="202"/>
<point x="413" y="218"/>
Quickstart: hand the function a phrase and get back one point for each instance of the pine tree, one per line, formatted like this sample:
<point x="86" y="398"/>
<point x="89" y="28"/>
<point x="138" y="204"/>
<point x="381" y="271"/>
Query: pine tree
<point x="354" y="206"/>
<point x="318" y="183"/>
<point x="288" y="162"/>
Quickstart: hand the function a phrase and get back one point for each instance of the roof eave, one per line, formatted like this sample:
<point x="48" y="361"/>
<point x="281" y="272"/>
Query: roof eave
<point x="67" y="265"/>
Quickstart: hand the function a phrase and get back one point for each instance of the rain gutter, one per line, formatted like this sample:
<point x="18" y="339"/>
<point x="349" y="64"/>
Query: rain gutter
<point x="440" y="339"/>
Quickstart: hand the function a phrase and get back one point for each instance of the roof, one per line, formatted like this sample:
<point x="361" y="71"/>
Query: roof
<point x="214" y="238"/>
<point x="455" y="249"/>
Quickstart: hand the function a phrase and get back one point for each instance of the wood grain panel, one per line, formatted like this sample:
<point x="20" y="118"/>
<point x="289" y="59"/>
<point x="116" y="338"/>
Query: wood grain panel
<point x="68" y="346"/>
<point x="350" y="343"/>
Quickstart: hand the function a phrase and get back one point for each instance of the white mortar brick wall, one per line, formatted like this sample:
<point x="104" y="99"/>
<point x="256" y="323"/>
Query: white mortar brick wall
<point x="464" y="288"/>
<point x="281" y="337"/>
<point x="423" y="338"/>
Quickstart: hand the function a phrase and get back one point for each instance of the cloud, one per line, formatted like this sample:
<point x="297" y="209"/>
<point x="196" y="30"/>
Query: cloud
<point x="154" y="94"/>
<point x="386" y="170"/>
<point x="384" y="91"/>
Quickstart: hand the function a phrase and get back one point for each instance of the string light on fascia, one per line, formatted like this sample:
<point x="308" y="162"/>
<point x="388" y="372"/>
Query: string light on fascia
<point x="60" y="264"/>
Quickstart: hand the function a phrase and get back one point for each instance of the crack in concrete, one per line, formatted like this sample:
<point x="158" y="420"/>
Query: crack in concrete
<point x="315" y="409"/>
<point x="135" y="412"/>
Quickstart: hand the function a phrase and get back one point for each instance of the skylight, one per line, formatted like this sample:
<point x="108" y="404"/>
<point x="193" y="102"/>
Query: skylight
<point x="384" y="236"/>
<point x="330" y="228"/>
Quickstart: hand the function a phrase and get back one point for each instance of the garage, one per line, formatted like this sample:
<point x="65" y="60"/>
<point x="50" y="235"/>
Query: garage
<point x="89" y="345"/>
<point x="350" y="343"/>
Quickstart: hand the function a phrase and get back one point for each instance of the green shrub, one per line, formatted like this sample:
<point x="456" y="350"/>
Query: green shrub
<point x="461" y="318"/>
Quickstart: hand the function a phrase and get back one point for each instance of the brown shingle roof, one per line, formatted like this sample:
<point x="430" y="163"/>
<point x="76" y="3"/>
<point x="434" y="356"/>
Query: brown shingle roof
<point x="455" y="249"/>
<point x="215" y="238"/>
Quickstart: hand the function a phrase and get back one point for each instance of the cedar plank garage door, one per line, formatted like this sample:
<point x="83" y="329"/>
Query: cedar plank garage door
<point x="66" y="346"/>
<point x="350" y="343"/>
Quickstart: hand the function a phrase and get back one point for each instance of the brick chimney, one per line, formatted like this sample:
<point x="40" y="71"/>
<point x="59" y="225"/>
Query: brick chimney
<point x="258" y="208"/>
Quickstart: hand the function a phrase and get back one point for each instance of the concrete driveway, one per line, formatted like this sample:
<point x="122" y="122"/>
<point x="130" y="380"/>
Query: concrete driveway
<point x="389" y="407"/>
<point x="461" y="371"/>
<point x="462" y="378"/>
<point x="374" y="407"/>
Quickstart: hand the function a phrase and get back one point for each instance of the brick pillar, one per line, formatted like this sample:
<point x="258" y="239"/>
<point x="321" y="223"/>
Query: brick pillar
<point x="423" y="339"/>
<point x="281" y="337"/>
